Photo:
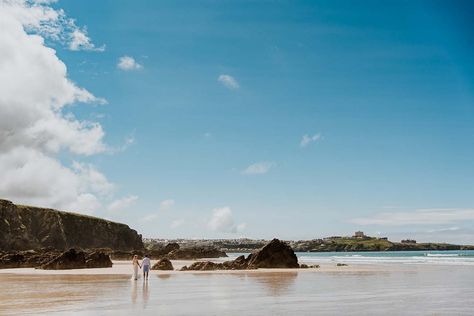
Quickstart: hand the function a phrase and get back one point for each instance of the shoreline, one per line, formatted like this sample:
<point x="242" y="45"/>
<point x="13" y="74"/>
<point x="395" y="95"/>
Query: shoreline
<point x="124" y="268"/>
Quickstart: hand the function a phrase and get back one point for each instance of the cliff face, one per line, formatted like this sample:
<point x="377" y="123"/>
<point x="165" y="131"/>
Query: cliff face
<point x="26" y="227"/>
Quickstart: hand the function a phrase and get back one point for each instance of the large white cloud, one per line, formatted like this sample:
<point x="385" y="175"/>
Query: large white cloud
<point x="35" y="126"/>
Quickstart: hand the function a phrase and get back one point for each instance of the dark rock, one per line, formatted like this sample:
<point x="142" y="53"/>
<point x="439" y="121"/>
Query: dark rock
<point x="73" y="259"/>
<point x="70" y="259"/>
<point x="341" y="265"/>
<point x="203" y="266"/>
<point x="26" y="227"/>
<point x="239" y="263"/>
<point x="170" y="247"/>
<point x="195" y="253"/>
<point x="275" y="254"/>
<point x="9" y="261"/>
<point x="304" y="266"/>
<point x="25" y="259"/>
<point x="98" y="260"/>
<point x="163" y="264"/>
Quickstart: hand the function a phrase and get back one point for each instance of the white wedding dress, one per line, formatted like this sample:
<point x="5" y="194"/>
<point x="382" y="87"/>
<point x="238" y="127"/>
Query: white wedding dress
<point x="136" y="274"/>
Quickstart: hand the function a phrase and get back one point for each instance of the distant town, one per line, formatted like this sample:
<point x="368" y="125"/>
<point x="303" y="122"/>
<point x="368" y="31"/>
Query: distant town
<point x="357" y="242"/>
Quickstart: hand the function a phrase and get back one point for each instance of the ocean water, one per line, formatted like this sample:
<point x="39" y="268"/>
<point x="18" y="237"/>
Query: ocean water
<point x="449" y="257"/>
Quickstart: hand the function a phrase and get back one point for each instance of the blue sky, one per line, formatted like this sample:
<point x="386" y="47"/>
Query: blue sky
<point x="222" y="94"/>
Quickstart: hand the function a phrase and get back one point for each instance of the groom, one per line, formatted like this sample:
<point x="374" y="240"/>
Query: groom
<point x="146" y="267"/>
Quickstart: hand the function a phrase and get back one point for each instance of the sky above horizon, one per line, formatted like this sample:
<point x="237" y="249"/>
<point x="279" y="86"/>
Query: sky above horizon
<point x="289" y="119"/>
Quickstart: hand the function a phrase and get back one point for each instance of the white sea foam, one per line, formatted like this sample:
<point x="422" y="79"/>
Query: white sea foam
<point x="441" y="255"/>
<point x="381" y="258"/>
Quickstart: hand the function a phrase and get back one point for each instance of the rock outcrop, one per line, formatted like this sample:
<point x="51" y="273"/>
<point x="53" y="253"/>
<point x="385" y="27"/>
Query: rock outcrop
<point x="26" y="227"/>
<point x="26" y="259"/>
<point x="275" y="254"/>
<point x="163" y="264"/>
<point x="98" y="259"/>
<point x="195" y="253"/>
<point x="73" y="259"/>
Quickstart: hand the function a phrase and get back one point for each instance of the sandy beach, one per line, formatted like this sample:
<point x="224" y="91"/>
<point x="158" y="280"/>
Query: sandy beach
<point x="360" y="289"/>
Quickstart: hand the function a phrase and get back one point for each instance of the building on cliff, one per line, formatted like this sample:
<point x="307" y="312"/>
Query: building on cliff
<point x="359" y="234"/>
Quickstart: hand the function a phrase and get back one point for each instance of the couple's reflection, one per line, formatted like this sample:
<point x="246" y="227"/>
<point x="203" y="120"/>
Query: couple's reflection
<point x="145" y="293"/>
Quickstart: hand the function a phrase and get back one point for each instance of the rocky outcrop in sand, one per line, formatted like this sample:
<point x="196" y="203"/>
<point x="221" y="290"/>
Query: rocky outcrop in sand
<point x="26" y="227"/>
<point x="275" y="254"/>
<point x="26" y="259"/>
<point x="163" y="264"/>
<point x="73" y="259"/>
<point x="55" y="260"/>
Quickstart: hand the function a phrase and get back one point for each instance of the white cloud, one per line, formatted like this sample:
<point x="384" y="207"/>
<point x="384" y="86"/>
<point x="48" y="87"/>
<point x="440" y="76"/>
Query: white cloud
<point x="35" y="126"/>
<point x="39" y="17"/>
<point x="177" y="223"/>
<point x="80" y="41"/>
<point x="222" y="220"/>
<point x="417" y="217"/>
<point x="307" y="139"/>
<point x="166" y="204"/>
<point x="29" y="176"/>
<point x="128" y="63"/>
<point x="122" y="203"/>
<point x="259" y="168"/>
<point x="228" y="81"/>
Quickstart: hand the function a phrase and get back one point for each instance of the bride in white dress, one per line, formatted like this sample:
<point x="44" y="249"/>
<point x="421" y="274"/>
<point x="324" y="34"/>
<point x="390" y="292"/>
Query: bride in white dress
<point x="136" y="265"/>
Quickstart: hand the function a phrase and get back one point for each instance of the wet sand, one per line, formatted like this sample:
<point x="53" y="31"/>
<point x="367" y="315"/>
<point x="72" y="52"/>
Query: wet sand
<point x="125" y="268"/>
<point x="357" y="289"/>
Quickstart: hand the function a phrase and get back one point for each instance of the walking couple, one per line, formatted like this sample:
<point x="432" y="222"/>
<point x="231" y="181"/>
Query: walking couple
<point x="145" y="266"/>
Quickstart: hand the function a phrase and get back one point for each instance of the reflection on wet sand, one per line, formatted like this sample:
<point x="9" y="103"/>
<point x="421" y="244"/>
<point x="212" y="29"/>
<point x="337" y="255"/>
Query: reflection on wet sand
<point x="242" y="293"/>
<point x="275" y="283"/>
<point x="134" y="291"/>
<point x="54" y="292"/>
<point x="146" y="293"/>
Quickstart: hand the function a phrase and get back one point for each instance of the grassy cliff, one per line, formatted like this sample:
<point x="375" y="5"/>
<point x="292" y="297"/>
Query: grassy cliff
<point x="26" y="227"/>
<point x="369" y="244"/>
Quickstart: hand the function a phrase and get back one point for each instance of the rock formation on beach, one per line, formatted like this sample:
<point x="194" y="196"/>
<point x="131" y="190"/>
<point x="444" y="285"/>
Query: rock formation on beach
<point x="163" y="264"/>
<point x="27" y="227"/>
<point x="275" y="254"/>
<point x="25" y="259"/>
<point x="73" y="259"/>
<point x="55" y="260"/>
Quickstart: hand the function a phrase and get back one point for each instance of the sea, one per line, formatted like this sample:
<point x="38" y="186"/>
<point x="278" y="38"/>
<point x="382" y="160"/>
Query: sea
<point x="448" y="257"/>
